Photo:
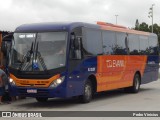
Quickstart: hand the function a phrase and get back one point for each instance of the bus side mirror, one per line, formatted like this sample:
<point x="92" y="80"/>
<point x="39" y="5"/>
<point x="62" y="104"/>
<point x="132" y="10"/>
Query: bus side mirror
<point x="77" y="44"/>
<point x="4" y="48"/>
<point x="76" y="47"/>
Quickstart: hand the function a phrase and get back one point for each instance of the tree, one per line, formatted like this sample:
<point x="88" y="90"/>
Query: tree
<point x="137" y="25"/>
<point x="156" y="30"/>
<point x="145" y="27"/>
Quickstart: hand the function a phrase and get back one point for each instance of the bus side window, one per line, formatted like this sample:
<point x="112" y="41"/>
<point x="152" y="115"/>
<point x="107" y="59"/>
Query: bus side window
<point x="143" y="40"/>
<point x="133" y="44"/>
<point x="92" y="42"/>
<point x="109" y="42"/>
<point x="122" y="45"/>
<point x="153" y="45"/>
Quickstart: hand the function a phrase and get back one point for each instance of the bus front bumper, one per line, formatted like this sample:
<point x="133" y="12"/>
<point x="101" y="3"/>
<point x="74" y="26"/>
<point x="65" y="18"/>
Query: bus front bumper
<point x="37" y="92"/>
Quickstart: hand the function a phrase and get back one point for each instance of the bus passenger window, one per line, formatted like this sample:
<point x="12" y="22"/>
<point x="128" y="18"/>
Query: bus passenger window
<point x="92" y="42"/>
<point x="153" y="46"/>
<point x="109" y="42"/>
<point x="121" y="45"/>
<point x="133" y="43"/>
<point x="143" y="45"/>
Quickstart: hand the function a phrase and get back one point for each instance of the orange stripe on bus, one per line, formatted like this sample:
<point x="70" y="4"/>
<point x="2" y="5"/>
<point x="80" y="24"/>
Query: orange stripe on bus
<point x="123" y="30"/>
<point x="117" y="71"/>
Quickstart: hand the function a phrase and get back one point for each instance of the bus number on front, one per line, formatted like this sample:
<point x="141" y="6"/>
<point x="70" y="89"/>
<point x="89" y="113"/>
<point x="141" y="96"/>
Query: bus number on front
<point x="91" y="69"/>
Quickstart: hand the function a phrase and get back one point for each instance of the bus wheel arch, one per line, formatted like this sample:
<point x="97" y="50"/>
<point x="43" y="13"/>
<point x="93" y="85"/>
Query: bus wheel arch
<point x="93" y="80"/>
<point x="138" y="72"/>
<point x="90" y="87"/>
<point x="136" y="84"/>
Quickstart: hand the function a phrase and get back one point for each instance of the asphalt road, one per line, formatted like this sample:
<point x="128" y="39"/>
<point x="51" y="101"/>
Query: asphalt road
<point x="148" y="99"/>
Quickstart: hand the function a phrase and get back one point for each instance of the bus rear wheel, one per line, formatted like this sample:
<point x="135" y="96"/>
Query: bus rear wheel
<point x="41" y="99"/>
<point x="88" y="92"/>
<point x="136" y="85"/>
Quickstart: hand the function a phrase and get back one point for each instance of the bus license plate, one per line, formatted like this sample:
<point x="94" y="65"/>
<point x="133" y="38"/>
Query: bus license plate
<point x="31" y="91"/>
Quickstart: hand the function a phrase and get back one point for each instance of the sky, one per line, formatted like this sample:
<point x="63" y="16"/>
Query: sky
<point x="16" y="12"/>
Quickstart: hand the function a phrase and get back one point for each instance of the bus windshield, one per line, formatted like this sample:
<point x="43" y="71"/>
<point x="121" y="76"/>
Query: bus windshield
<point x="38" y="51"/>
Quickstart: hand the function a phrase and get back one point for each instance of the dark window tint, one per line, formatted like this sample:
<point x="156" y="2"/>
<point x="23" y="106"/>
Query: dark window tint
<point x="109" y="42"/>
<point x="143" y="45"/>
<point x="121" y="46"/>
<point x="133" y="44"/>
<point x="153" y="45"/>
<point x="92" y="41"/>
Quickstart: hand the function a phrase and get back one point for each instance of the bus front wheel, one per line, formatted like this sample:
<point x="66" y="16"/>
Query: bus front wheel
<point x="41" y="99"/>
<point x="136" y="85"/>
<point x="88" y="92"/>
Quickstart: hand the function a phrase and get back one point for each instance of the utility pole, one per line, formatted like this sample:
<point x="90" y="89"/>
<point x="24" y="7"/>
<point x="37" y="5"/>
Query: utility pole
<point x="116" y="18"/>
<point x="151" y="14"/>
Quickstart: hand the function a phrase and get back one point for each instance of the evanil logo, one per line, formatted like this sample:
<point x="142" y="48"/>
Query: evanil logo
<point x="115" y="63"/>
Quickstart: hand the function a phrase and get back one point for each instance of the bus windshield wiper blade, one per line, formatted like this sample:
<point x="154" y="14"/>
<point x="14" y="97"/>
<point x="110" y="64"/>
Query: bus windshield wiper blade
<point x="36" y="50"/>
<point x="38" y="55"/>
<point x="27" y="56"/>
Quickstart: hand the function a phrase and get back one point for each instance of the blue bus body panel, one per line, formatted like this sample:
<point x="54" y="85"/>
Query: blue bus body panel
<point x="151" y="69"/>
<point x="77" y="78"/>
<point x="44" y="27"/>
<point x="72" y="86"/>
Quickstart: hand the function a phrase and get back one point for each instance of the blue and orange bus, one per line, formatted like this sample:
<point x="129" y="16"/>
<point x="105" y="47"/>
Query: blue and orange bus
<point x="80" y="59"/>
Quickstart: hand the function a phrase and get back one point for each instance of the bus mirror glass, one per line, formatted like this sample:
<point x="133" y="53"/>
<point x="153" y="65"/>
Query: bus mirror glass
<point x="77" y="44"/>
<point x="77" y="48"/>
<point x="78" y="55"/>
<point x="72" y="37"/>
<point x="79" y="52"/>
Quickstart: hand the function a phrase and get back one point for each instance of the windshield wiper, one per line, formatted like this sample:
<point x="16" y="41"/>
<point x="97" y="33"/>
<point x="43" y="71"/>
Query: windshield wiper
<point x="27" y="56"/>
<point x="38" y="55"/>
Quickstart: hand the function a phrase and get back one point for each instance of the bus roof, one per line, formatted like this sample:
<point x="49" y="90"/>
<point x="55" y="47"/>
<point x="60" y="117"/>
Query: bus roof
<point x="62" y="26"/>
<point x="55" y="26"/>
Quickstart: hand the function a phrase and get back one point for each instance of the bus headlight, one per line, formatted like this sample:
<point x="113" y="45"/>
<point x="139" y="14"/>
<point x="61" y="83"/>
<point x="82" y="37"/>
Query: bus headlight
<point x="57" y="82"/>
<point x="11" y="81"/>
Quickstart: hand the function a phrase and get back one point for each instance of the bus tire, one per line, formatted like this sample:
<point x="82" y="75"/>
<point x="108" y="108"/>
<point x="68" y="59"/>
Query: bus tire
<point x="88" y="92"/>
<point x="136" y="85"/>
<point x="41" y="99"/>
